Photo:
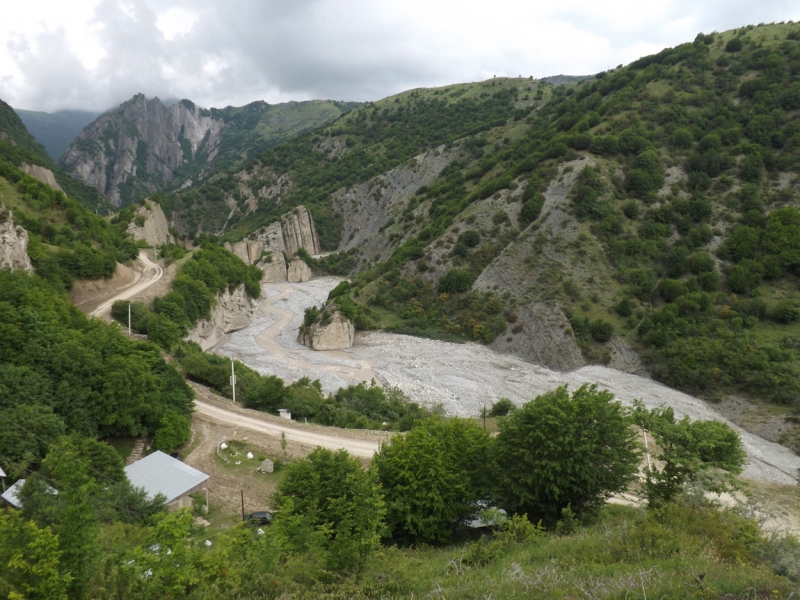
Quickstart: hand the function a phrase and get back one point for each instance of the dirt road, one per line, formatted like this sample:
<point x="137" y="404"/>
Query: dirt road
<point x="146" y="275"/>
<point x="253" y="421"/>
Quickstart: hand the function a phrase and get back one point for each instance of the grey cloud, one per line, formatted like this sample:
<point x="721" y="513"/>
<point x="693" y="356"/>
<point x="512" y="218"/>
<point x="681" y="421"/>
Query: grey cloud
<point x="277" y="50"/>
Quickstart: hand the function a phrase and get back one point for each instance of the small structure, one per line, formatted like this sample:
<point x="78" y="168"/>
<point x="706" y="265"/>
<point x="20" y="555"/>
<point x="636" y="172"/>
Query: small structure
<point x="3" y="478"/>
<point x="11" y="495"/>
<point x="159" y="473"/>
<point x="266" y="466"/>
<point x="285" y="413"/>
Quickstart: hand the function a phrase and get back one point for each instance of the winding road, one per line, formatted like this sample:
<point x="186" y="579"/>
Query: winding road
<point x="150" y="274"/>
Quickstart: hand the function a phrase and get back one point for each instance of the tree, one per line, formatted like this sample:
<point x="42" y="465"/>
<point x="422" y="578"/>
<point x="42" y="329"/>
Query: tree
<point x="687" y="447"/>
<point x="174" y="431"/>
<point x="331" y="493"/>
<point x="433" y="478"/>
<point x="559" y="450"/>
<point x="30" y="557"/>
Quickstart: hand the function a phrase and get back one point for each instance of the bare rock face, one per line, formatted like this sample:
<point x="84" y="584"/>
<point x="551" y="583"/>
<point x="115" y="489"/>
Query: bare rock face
<point x="298" y="271"/>
<point x="542" y="335"/>
<point x="294" y="231"/>
<point x="150" y="224"/>
<point x="624" y="358"/>
<point x="274" y="268"/>
<point x="13" y="244"/>
<point x="134" y="150"/>
<point x="43" y="174"/>
<point x="232" y="312"/>
<point x="336" y="335"/>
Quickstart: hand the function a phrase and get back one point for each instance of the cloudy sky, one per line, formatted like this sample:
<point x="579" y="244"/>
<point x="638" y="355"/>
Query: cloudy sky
<point x="94" y="54"/>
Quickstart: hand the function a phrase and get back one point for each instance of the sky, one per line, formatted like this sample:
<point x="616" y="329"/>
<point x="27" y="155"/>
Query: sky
<point x="95" y="54"/>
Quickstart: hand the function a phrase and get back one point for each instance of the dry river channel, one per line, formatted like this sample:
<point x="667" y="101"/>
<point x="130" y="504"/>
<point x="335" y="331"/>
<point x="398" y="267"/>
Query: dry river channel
<point x="461" y="377"/>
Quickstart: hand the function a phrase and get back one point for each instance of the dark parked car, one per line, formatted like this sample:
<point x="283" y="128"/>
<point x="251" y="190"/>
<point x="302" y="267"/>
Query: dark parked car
<point x="260" y="517"/>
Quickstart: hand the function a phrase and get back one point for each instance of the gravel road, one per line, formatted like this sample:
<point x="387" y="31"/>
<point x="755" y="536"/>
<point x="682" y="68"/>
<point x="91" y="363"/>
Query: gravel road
<point x="461" y="377"/>
<point x="147" y="274"/>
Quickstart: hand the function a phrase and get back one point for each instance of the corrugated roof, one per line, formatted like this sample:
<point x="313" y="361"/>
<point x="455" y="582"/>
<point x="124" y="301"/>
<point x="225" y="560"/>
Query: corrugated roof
<point x="159" y="473"/>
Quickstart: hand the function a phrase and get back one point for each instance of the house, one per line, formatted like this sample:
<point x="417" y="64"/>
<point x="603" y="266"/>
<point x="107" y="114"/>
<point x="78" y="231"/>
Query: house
<point x="11" y="495"/>
<point x="159" y="473"/>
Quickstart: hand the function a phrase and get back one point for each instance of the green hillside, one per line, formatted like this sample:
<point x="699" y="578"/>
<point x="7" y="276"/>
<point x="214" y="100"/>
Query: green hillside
<point x="674" y="231"/>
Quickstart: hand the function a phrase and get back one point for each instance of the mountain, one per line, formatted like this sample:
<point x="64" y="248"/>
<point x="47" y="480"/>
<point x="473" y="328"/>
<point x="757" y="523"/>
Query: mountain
<point x="19" y="150"/>
<point x="144" y="146"/>
<point x="55" y="131"/>
<point x="645" y="218"/>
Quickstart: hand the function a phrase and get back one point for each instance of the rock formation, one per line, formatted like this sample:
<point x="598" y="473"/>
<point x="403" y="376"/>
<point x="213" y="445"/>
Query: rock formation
<point x="43" y="174"/>
<point x="13" y="244"/>
<point x="232" y="312"/>
<point x="134" y="150"/>
<point x="294" y="231"/>
<point x="274" y="268"/>
<point x="150" y="224"/>
<point x="298" y="271"/>
<point x="337" y="334"/>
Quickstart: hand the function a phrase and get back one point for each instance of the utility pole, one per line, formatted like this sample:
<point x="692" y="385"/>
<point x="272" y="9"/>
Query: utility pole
<point x="484" y="416"/>
<point x="646" y="449"/>
<point x="233" y="382"/>
<point x="129" y="317"/>
<point x="242" y="493"/>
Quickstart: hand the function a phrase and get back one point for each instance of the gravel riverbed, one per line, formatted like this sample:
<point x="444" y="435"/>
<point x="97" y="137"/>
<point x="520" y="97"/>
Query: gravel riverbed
<point x="461" y="377"/>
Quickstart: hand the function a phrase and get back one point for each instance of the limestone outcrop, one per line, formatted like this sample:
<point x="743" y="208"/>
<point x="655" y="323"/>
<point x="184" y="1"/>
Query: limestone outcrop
<point x="43" y="174"/>
<point x="298" y="271"/>
<point x="13" y="244"/>
<point x="150" y="224"/>
<point x="338" y="333"/>
<point x="273" y="267"/>
<point x="295" y="230"/>
<point x="232" y="312"/>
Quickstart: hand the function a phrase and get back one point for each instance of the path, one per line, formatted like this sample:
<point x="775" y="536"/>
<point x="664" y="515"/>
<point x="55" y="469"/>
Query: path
<point x="149" y="275"/>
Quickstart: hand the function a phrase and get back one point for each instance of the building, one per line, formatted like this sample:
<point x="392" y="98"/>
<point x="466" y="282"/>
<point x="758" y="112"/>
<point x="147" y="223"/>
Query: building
<point x="159" y="473"/>
<point x="11" y="495"/>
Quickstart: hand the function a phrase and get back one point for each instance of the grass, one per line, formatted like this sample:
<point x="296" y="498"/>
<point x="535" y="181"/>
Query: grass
<point x="236" y="452"/>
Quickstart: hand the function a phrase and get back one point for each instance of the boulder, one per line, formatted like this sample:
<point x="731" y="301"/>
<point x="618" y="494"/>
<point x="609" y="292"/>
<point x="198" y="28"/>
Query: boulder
<point x="232" y="312"/>
<point x="43" y="174"/>
<point x="338" y="334"/>
<point x="298" y="271"/>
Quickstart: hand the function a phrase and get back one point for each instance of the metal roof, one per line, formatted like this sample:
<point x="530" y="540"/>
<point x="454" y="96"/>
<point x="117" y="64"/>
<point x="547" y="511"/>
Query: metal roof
<point x="11" y="494"/>
<point x="159" y="473"/>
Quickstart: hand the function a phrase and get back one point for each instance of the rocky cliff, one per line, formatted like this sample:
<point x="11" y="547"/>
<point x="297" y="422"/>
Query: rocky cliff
<point x="144" y="146"/>
<point x="295" y="230"/>
<point x="13" y="244"/>
<point x="135" y="150"/>
<point x="232" y="312"/>
<point x="150" y="224"/>
<point x="335" y="332"/>
<point x="43" y="174"/>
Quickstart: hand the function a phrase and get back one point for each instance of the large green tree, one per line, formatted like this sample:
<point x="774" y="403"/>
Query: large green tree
<point x="434" y="478"/>
<point x="562" y="450"/>
<point x="329" y="498"/>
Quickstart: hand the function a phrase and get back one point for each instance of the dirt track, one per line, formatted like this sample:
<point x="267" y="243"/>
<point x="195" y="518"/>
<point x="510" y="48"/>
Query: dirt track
<point x="145" y="273"/>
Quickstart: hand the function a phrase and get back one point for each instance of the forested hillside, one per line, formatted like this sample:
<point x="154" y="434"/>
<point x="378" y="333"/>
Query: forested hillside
<point x="644" y="218"/>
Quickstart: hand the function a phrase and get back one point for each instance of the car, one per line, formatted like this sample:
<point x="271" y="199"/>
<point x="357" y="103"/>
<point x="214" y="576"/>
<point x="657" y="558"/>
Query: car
<point x="259" y="517"/>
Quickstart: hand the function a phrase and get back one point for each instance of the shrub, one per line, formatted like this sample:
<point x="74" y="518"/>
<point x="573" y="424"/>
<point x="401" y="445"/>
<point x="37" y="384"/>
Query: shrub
<point x="682" y="138"/>
<point x="601" y="331"/>
<point x="501" y="408"/>
<point x="734" y="45"/>
<point x="784" y="312"/>
<point x="470" y="238"/>
<point x="701" y="262"/>
<point x="456" y="281"/>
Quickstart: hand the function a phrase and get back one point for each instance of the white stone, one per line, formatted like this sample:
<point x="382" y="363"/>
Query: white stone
<point x="249" y="455"/>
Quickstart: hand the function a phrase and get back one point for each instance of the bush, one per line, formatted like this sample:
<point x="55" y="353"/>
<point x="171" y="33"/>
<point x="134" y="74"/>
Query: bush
<point x="682" y="138"/>
<point x="501" y="408"/>
<point x="456" y="281"/>
<point x="560" y="450"/>
<point x="734" y="45"/>
<point x="784" y="312"/>
<point x="470" y="238"/>
<point x="601" y="331"/>
<point x="701" y="262"/>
